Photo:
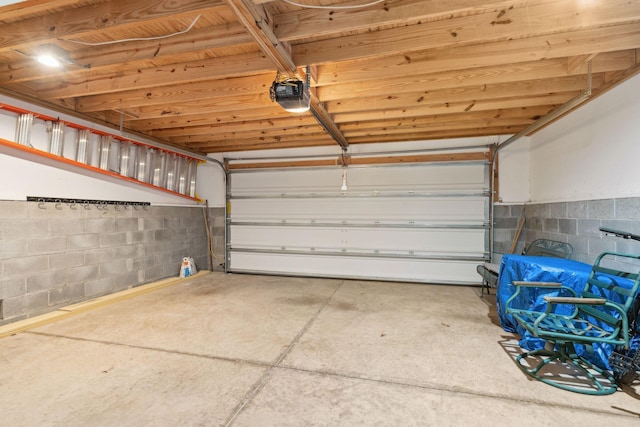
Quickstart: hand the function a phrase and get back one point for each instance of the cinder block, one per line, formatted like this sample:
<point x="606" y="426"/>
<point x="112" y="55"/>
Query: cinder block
<point x="13" y="307"/>
<point x="627" y="208"/>
<point x="589" y="227"/>
<point x="113" y="268"/>
<point x="126" y="281"/>
<point x="36" y="300"/>
<point x="558" y="210"/>
<point x="550" y="225"/>
<point x="63" y="226"/>
<point x="568" y="226"/>
<point x="218" y="221"/>
<point x="83" y="242"/>
<point x="152" y="223"/>
<point x="46" y="281"/>
<point x="67" y="294"/>
<point x="126" y="224"/>
<point x="47" y="245"/>
<point x="82" y="273"/>
<point x="14" y="287"/>
<point x="66" y="260"/>
<point x="13" y="209"/>
<point x="600" y="209"/>
<point x="98" y="256"/>
<point x="509" y="223"/>
<point x="577" y="210"/>
<point x="113" y="239"/>
<point x="627" y="246"/>
<point x="25" y="265"/>
<point x="144" y="262"/>
<point x="98" y="287"/>
<point x="13" y="248"/>
<point x="499" y="211"/>
<point x="25" y="229"/>
<point x="538" y="210"/>
<point x="100" y="225"/>
<point x="597" y="246"/>
<point x="172" y="223"/>
<point x="163" y="235"/>
<point x="580" y="244"/>
<point x="126" y="251"/>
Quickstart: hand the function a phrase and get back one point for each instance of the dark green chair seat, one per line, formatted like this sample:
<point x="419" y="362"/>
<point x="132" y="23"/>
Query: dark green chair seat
<point x="597" y="315"/>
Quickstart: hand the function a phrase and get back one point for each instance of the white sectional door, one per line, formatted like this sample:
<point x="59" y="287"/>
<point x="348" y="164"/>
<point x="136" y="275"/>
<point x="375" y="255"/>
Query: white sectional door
<point x="425" y="223"/>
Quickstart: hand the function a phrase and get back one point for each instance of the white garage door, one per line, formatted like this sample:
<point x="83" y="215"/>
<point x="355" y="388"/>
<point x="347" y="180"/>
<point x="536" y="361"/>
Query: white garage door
<point x="420" y="222"/>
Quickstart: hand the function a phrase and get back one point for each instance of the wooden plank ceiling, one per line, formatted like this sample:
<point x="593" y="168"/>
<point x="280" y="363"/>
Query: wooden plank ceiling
<point x="196" y="73"/>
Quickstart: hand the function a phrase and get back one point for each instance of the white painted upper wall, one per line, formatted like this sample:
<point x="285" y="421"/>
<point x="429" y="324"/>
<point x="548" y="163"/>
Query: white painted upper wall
<point x="514" y="172"/>
<point x="592" y="153"/>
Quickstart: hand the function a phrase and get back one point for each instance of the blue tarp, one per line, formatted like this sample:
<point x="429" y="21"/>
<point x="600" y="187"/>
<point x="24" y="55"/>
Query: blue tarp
<point x="570" y="273"/>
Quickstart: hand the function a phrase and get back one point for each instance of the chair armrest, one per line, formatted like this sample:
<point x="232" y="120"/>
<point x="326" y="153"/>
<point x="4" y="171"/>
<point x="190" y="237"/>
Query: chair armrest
<point x="538" y="284"/>
<point x="573" y="300"/>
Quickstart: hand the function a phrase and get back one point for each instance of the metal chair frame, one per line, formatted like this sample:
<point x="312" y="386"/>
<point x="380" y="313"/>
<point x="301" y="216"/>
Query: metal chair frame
<point x="597" y="315"/>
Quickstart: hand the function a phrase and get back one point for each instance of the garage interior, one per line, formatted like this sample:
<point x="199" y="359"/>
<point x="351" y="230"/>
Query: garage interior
<point x="336" y="244"/>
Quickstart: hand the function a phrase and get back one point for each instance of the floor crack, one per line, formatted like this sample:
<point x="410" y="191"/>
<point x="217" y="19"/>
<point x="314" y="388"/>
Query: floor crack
<point x="259" y="385"/>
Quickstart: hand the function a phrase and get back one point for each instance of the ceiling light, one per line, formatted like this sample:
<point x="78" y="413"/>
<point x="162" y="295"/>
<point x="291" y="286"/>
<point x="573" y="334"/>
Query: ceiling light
<point x="53" y="56"/>
<point x="292" y="94"/>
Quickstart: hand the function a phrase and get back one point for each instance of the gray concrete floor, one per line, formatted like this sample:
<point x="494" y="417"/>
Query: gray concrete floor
<point x="245" y="350"/>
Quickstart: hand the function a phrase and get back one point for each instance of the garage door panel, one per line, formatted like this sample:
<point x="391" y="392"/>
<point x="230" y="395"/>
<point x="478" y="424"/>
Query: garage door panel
<point x="405" y="209"/>
<point x="363" y="239"/>
<point x="436" y="178"/>
<point x="395" y="269"/>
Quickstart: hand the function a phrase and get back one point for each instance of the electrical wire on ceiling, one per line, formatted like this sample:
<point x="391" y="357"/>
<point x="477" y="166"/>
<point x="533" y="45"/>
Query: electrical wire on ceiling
<point x="138" y="38"/>
<point x="308" y="6"/>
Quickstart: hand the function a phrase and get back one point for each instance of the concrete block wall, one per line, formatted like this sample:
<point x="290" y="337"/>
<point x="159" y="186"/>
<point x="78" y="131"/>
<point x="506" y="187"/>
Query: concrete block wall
<point x="505" y="224"/>
<point x="576" y="223"/>
<point x="55" y="255"/>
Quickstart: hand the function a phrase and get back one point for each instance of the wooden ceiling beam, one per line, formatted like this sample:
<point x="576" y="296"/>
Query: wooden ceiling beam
<point x="535" y="70"/>
<point x="188" y="92"/>
<point x="452" y="108"/>
<point x="510" y="23"/>
<point x="94" y="59"/>
<point x="206" y="119"/>
<point x="225" y="67"/>
<point x="257" y="145"/>
<point x="239" y="127"/>
<point x="223" y="105"/>
<point x="450" y="125"/>
<point x="97" y="18"/>
<point x="520" y="113"/>
<point x="408" y="137"/>
<point x="484" y="92"/>
<point x="258" y="25"/>
<point x="312" y="23"/>
<point x="545" y="47"/>
<point x="277" y="139"/>
<point x="247" y="134"/>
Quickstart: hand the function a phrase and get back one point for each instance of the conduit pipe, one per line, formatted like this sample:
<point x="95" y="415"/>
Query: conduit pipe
<point x="553" y="115"/>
